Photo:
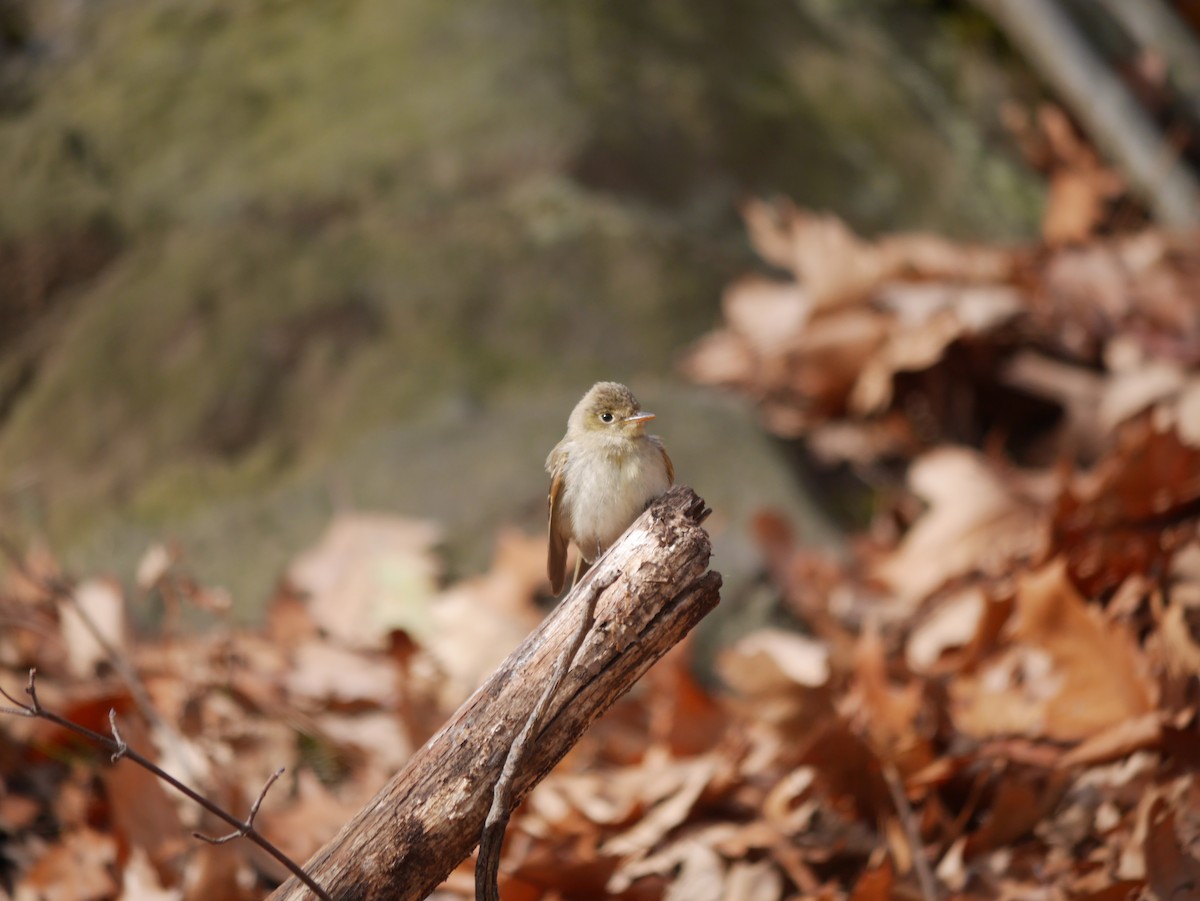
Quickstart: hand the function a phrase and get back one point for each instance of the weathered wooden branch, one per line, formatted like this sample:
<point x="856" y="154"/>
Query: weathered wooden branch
<point x="1104" y="106"/>
<point x="653" y="587"/>
<point x="1155" y="26"/>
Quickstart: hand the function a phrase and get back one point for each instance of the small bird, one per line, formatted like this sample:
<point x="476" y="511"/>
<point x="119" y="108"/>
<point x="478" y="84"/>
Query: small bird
<point x="603" y="474"/>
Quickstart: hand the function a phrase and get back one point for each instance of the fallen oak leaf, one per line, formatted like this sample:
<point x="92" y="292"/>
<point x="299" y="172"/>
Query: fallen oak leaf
<point x="1070" y="673"/>
<point x="367" y="574"/>
<point x="1117" y="741"/>
<point x="925" y="319"/>
<point x="692" y="778"/>
<point x="835" y="266"/>
<point x="700" y="871"/>
<point x="978" y="520"/>
<point x="753" y="881"/>
<point x="1023" y="797"/>
<point x="1171" y="872"/>
<point x="79" y="867"/>
<point x="1133" y="511"/>
<point x="954" y="623"/>
<point x="1104" y="679"/>
<point x="888" y="714"/>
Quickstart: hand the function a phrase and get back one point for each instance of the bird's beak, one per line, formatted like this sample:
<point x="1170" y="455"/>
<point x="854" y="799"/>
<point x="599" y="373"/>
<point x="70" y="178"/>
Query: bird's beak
<point x="639" y="416"/>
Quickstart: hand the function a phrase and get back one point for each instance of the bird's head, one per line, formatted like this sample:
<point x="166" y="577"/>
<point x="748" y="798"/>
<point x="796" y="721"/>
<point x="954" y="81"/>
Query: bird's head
<point x="610" y="409"/>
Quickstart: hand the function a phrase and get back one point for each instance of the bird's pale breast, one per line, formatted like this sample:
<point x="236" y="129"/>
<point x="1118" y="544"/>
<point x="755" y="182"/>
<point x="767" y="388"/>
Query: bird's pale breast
<point x="607" y="490"/>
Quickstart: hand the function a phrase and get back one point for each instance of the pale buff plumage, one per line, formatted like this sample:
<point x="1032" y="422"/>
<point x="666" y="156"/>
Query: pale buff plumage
<point x="603" y="473"/>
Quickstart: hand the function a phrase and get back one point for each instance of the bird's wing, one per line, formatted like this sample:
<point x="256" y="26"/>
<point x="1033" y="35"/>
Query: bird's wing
<point x="666" y="459"/>
<point x="556" y="557"/>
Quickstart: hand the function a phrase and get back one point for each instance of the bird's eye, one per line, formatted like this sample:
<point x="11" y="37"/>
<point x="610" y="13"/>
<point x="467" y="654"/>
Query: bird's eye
<point x="606" y="417"/>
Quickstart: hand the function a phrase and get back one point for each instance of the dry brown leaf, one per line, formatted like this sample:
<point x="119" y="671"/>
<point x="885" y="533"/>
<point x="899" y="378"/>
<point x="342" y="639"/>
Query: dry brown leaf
<point x="1104" y="681"/>
<point x="926" y="319"/>
<point x="324" y="673"/>
<point x="1139" y="286"/>
<point x="930" y="257"/>
<point x="753" y="881"/>
<point x="1180" y="648"/>
<point x="951" y="870"/>
<point x="140" y="881"/>
<point x="597" y="799"/>
<point x="858" y="315"/>
<point x="688" y="779"/>
<point x="1187" y="422"/>
<point x="1171" y="872"/>
<point x="779" y="675"/>
<point x="154" y="564"/>
<point x="1121" y="890"/>
<point x="1006" y="696"/>
<point x="844" y="441"/>
<point x="1022" y="799"/>
<point x="875" y="884"/>
<point x="721" y="359"/>
<point x="706" y="868"/>
<point x="1132" y="390"/>
<point x="143" y="816"/>
<point x="768" y="315"/>
<point x="682" y="715"/>
<point x="701" y="875"/>
<point x="378" y="735"/>
<point x="367" y="575"/>
<point x="848" y="771"/>
<point x="833" y="265"/>
<point x="99" y="605"/>
<point x="78" y="868"/>
<point x="288" y="621"/>
<point x="769" y="660"/>
<point x="789" y="806"/>
<point x="1075" y="205"/>
<point x="1133" y="511"/>
<point x="18" y="812"/>
<point x="838" y="268"/>
<point x="828" y="358"/>
<point x="953" y="623"/>
<point x="1117" y="741"/>
<point x="1081" y="186"/>
<point x="477" y="622"/>
<point x="978" y="520"/>
<point x="219" y="871"/>
<point x="1079" y="673"/>
<point x="888" y="713"/>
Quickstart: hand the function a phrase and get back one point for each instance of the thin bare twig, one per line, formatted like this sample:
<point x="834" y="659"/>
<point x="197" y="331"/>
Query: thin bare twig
<point x="62" y="590"/>
<point x="121" y="749"/>
<point x="929" y="886"/>
<point x="248" y="825"/>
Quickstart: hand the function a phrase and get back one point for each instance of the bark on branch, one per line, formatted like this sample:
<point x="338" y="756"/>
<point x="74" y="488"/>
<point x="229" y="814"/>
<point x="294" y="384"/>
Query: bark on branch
<point x="653" y="587"/>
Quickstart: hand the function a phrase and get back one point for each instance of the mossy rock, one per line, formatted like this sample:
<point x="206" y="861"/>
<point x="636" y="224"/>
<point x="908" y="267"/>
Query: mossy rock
<point x="332" y="220"/>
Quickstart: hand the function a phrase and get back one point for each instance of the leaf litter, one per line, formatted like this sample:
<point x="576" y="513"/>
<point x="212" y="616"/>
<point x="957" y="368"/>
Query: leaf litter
<point x="990" y="693"/>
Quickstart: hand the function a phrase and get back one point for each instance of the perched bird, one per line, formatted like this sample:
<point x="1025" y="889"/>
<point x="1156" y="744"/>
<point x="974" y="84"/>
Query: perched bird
<point x="603" y="474"/>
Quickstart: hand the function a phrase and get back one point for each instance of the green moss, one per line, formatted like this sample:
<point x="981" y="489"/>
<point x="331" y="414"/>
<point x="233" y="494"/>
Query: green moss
<point x="203" y="110"/>
<point x="341" y="218"/>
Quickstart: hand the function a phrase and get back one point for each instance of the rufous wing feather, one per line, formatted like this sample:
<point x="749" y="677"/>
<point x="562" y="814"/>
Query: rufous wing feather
<point x="556" y="558"/>
<point x="667" y="460"/>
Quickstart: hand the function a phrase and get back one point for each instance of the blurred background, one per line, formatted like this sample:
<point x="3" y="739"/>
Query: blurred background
<point x="295" y="297"/>
<point x="260" y="263"/>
